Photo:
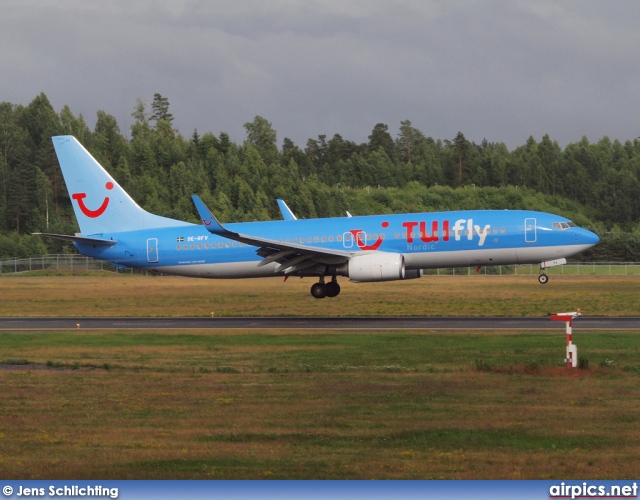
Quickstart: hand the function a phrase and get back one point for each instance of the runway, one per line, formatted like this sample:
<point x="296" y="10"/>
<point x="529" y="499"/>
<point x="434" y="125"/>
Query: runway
<point x="317" y="323"/>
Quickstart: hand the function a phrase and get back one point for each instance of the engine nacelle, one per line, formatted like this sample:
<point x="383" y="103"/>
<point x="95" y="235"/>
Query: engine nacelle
<point x="376" y="266"/>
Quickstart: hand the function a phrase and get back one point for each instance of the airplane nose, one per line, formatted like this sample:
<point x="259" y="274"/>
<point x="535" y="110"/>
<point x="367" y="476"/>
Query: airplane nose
<point x="585" y="237"/>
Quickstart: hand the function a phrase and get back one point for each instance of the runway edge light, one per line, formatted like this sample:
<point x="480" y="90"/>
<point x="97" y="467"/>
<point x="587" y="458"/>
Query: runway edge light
<point x="571" y="359"/>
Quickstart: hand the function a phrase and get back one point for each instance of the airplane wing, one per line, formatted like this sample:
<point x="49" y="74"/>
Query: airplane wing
<point x="96" y="242"/>
<point x="291" y="257"/>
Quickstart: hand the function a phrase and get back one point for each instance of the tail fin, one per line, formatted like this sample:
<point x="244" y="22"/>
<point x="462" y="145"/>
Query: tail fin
<point x="100" y="204"/>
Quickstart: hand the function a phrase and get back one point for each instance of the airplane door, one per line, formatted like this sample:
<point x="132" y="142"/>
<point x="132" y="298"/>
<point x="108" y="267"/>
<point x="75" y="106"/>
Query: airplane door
<point x="152" y="250"/>
<point x="530" y="231"/>
<point x="347" y="240"/>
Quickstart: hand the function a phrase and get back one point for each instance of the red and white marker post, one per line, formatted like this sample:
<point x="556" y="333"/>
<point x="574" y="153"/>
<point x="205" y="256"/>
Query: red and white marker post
<point x="572" y="350"/>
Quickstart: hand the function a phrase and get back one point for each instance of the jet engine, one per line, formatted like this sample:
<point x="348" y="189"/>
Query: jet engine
<point x="378" y="266"/>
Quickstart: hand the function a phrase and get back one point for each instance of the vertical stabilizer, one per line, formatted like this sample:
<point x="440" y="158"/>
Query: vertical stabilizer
<point x="100" y="204"/>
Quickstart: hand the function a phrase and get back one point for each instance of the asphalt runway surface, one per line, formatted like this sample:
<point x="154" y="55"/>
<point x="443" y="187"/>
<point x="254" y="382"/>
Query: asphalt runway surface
<point x="317" y="323"/>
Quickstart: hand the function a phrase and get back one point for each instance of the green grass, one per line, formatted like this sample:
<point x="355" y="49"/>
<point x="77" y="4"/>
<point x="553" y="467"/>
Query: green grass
<point x="357" y="405"/>
<point x="429" y="296"/>
<point x="243" y="404"/>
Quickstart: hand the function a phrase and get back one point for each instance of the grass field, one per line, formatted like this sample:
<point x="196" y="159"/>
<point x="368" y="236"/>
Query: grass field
<point x="114" y="295"/>
<point x="337" y="404"/>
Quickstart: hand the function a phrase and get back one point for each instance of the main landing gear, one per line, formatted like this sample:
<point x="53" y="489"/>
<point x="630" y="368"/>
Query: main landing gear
<point x="320" y="290"/>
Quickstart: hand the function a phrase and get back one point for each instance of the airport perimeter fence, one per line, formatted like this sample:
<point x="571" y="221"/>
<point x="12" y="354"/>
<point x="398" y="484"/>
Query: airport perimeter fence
<point x="79" y="263"/>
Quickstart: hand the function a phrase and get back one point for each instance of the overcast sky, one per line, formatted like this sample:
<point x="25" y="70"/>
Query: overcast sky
<point x="500" y="70"/>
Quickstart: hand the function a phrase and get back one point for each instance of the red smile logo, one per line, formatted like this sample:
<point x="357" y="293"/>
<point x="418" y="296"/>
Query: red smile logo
<point x="362" y="244"/>
<point x="79" y="197"/>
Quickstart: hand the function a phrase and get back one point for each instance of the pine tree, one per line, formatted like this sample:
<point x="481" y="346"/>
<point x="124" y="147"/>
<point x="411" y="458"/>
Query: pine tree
<point x="160" y="107"/>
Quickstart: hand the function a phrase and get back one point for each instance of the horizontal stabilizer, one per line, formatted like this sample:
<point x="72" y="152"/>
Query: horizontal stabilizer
<point x="96" y="242"/>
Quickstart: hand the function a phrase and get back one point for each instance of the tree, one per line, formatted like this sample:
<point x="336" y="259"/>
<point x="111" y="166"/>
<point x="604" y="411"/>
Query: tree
<point x="40" y="120"/>
<point x="107" y="140"/>
<point x="141" y="126"/>
<point x="160" y="108"/>
<point x="71" y="125"/>
<point x="260" y="135"/>
<point x="460" y="148"/>
<point x="407" y="141"/>
<point x="381" y="138"/>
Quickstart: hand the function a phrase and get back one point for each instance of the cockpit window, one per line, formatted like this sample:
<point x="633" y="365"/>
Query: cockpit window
<point x="563" y="225"/>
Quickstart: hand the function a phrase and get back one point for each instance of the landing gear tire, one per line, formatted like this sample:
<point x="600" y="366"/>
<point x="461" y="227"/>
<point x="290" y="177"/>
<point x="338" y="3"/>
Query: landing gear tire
<point x="332" y="289"/>
<point x="319" y="290"/>
<point x="543" y="279"/>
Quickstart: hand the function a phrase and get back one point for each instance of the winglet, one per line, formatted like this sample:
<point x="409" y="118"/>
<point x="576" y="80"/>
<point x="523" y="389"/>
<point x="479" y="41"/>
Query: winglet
<point x="208" y="219"/>
<point x="286" y="212"/>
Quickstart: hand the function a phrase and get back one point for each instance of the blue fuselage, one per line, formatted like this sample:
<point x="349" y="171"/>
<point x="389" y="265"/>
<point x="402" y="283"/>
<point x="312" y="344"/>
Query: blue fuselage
<point x="426" y="240"/>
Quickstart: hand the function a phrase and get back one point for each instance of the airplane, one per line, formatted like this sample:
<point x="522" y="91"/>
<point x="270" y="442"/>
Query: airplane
<point x="370" y="248"/>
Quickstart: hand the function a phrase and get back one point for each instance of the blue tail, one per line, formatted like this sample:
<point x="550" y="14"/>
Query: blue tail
<point x="100" y="204"/>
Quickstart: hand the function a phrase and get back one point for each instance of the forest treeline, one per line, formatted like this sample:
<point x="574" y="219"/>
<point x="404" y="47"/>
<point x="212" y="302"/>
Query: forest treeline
<point x="595" y="184"/>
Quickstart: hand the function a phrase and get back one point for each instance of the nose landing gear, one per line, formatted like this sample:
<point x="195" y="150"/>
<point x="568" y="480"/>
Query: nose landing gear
<point x="543" y="278"/>
<point x="321" y="289"/>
